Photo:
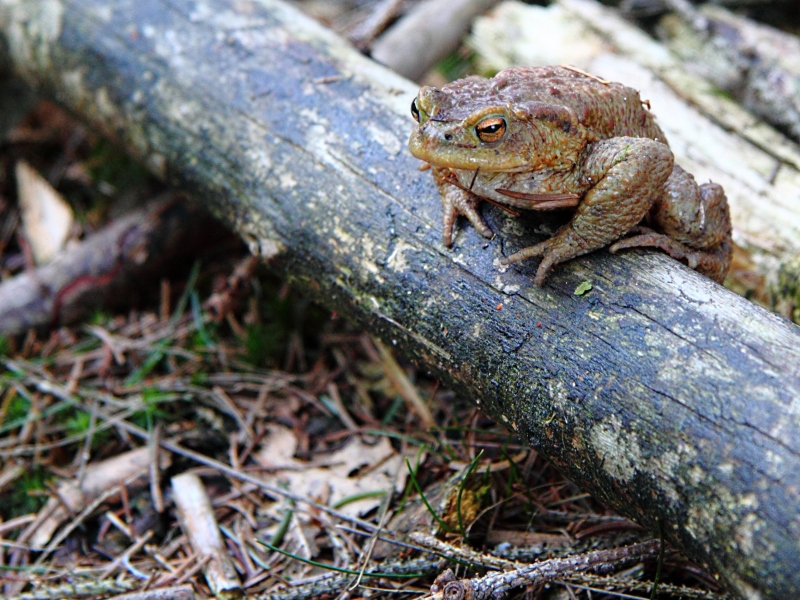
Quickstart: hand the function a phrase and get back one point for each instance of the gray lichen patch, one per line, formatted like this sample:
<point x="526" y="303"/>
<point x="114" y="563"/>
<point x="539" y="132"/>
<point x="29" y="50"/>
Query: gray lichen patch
<point x="261" y="238"/>
<point x="731" y="511"/>
<point x="392" y="144"/>
<point x="32" y="29"/>
<point x="747" y="531"/>
<point x="669" y="470"/>
<point x="359" y="252"/>
<point x="401" y="257"/>
<point x="663" y="469"/>
<point x="368" y="261"/>
<point x="262" y="247"/>
<point x="617" y="448"/>
<point x="560" y="397"/>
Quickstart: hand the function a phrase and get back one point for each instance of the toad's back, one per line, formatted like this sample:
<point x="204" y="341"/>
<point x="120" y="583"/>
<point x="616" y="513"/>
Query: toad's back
<point x="606" y="109"/>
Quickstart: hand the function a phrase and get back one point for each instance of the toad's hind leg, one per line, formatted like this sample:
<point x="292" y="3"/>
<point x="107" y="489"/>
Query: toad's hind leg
<point x="629" y="174"/>
<point x="691" y="223"/>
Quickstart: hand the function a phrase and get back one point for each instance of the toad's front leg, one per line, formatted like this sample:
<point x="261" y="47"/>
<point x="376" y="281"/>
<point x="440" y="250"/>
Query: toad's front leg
<point x="455" y="202"/>
<point x="626" y="175"/>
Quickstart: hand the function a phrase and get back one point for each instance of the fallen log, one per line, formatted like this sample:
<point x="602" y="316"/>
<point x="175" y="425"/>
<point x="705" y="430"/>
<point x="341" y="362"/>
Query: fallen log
<point x="666" y="396"/>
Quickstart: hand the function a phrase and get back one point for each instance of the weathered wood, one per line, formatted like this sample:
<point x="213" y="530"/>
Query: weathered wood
<point x="757" y="64"/>
<point x="668" y="397"/>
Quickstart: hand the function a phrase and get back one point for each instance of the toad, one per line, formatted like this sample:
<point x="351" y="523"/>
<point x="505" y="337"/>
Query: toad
<point x="544" y="138"/>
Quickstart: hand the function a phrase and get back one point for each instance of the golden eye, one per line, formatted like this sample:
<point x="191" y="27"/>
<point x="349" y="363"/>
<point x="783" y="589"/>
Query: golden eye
<point x="414" y="110"/>
<point x="491" y="129"/>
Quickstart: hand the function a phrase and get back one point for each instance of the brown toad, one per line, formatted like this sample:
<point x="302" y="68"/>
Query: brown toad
<point x="543" y="138"/>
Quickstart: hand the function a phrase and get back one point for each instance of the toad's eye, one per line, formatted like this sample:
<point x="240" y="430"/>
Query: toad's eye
<point x="491" y="129"/>
<point x="415" y="110"/>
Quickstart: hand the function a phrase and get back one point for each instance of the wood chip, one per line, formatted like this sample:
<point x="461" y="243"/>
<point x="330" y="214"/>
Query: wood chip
<point x="200" y="526"/>
<point x="46" y="217"/>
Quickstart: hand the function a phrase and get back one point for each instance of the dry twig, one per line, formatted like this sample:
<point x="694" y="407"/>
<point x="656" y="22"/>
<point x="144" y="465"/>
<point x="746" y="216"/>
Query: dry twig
<point x="200" y="526"/>
<point x="496" y="585"/>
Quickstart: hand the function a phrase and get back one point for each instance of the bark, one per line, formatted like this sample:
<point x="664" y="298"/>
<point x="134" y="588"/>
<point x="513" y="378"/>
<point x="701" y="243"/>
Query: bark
<point x="668" y="397"/>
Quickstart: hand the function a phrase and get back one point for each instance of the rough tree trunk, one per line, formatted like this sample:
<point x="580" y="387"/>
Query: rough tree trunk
<point x="663" y="394"/>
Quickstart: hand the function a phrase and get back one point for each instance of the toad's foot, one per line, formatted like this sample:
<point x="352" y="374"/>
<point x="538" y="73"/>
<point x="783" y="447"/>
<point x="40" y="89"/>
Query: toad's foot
<point x="711" y="263"/>
<point x="455" y="202"/>
<point x="553" y="252"/>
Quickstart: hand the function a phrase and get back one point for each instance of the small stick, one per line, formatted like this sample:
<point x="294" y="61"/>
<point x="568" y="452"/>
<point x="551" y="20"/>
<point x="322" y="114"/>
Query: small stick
<point x="461" y="553"/>
<point x="100" y="477"/>
<point x="125" y="556"/>
<point x="200" y="526"/>
<point x="496" y="585"/>
<point x="403" y="386"/>
<point x="182" y="592"/>
<point x="586" y="74"/>
<point x="154" y="449"/>
<point x="77" y="589"/>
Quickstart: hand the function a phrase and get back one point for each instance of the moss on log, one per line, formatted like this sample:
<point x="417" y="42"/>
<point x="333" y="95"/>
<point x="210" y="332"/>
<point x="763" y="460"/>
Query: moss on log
<point x="666" y="396"/>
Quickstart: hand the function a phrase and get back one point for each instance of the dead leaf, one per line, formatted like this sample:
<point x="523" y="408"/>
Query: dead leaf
<point x="357" y="470"/>
<point x="74" y="495"/>
<point x="46" y="217"/>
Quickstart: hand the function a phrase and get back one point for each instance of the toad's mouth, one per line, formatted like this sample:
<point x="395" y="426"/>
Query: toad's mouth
<point x="462" y="154"/>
